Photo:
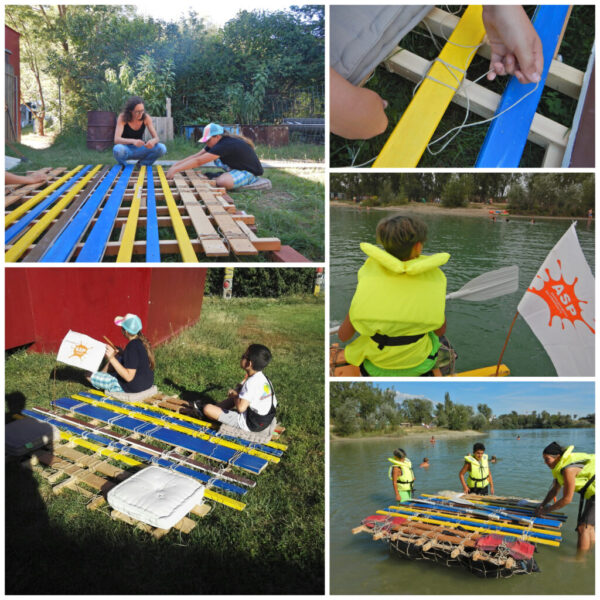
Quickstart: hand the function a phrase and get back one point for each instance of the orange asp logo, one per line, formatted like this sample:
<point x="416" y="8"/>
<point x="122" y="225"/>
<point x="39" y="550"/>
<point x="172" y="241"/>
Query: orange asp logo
<point x="561" y="298"/>
<point x="79" y="351"/>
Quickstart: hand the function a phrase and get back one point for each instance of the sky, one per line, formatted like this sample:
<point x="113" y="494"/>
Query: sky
<point x="573" y="398"/>
<point x="218" y="13"/>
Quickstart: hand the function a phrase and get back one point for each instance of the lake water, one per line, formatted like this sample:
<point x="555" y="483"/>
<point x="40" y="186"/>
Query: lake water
<point x="477" y="330"/>
<point x="359" y="486"/>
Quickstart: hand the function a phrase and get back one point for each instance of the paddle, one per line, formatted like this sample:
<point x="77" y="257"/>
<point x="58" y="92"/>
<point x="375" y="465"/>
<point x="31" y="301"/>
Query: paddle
<point x="484" y="287"/>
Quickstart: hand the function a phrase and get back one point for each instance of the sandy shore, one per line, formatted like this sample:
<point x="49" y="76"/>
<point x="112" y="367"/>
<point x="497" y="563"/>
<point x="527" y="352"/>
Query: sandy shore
<point x="473" y="210"/>
<point x="420" y="433"/>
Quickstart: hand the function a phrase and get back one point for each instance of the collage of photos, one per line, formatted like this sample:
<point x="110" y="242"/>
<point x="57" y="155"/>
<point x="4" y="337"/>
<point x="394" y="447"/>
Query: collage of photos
<point x="269" y="232"/>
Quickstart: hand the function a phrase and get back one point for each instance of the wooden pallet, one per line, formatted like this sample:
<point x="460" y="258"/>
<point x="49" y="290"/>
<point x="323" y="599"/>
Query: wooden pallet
<point x="544" y="132"/>
<point x="95" y="213"/>
<point x="67" y="468"/>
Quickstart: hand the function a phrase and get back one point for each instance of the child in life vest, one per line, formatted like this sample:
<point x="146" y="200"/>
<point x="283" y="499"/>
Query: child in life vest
<point x="398" y="308"/>
<point x="361" y="37"/>
<point x="131" y="370"/>
<point x="252" y="405"/>
<point x="402" y="475"/>
<point x="479" y="479"/>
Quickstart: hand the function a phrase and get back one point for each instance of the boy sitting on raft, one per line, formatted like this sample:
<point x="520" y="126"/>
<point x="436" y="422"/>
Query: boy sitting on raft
<point x="399" y="304"/>
<point x="251" y="406"/>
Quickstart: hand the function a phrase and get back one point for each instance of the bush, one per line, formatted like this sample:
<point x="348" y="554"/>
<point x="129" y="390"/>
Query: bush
<point x="263" y="283"/>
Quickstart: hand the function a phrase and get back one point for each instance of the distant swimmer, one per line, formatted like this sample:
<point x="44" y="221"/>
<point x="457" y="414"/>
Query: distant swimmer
<point x="479" y="480"/>
<point x="402" y="475"/>
<point x="493" y="459"/>
<point x="424" y="464"/>
<point x="518" y="437"/>
<point x="432" y="440"/>
<point x="574" y="472"/>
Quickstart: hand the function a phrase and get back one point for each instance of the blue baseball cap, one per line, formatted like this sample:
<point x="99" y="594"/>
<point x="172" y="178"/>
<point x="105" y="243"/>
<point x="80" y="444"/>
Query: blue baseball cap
<point x="210" y="130"/>
<point x="130" y="323"/>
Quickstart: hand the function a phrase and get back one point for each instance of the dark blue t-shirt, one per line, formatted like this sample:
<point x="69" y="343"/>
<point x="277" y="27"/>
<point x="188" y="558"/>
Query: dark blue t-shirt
<point x="136" y="357"/>
<point x="236" y="154"/>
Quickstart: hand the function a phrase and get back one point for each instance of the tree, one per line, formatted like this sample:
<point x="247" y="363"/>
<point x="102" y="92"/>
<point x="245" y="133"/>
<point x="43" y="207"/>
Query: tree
<point x="486" y="411"/>
<point x="418" y="410"/>
<point x="455" y="193"/>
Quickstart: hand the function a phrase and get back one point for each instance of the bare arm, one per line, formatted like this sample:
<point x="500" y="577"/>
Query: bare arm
<point x="569" y="475"/>
<point x="241" y="404"/>
<point x="491" y="482"/>
<point x="346" y="329"/>
<point x="396" y="472"/>
<point x="356" y="113"/>
<point x="126" y="374"/>
<point x="36" y="177"/>
<point x="119" y="139"/>
<point x="191" y="162"/>
<point x="461" y="476"/>
<point x="552" y="492"/>
<point x="154" y="139"/>
<point x="441" y="330"/>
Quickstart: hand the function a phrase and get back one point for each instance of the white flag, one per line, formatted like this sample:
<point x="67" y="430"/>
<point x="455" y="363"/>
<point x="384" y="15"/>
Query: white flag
<point x="559" y="308"/>
<point x="79" y="350"/>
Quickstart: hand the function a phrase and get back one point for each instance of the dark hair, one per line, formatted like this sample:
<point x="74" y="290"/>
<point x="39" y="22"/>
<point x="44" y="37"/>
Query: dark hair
<point x="399" y="453"/>
<point x="553" y="449"/>
<point x="258" y="355"/>
<point x="144" y="341"/>
<point x="239" y="137"/>
<point x="129" y="106"/>
<point x="478" y="446"/>
<point x="398" y="235"/>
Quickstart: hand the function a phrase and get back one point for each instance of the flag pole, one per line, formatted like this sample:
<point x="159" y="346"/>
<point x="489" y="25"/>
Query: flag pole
<point x="505" y="343"/>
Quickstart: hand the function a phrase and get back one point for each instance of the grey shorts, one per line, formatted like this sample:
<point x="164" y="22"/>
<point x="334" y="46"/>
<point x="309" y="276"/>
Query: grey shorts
<point x="234" y="419"/>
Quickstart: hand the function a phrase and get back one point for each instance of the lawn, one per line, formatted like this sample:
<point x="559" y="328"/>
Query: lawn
<point x="275" y="546"/>
<point x="293" y="210"/>
<point x="464" y="149"/>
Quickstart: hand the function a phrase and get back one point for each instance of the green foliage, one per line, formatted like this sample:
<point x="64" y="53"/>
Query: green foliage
<point x="245" y="106"/>
<point x="263" y="283"/>
<point x="154" y="82"/>
<point x="417" y="410"/>
<point x="543" y="420"/>
<point x="455" y="192"/>
<point x="114" y="91"/>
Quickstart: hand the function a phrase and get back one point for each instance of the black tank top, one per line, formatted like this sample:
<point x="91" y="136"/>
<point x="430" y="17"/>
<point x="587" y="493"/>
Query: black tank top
<point x="132" y="134"/>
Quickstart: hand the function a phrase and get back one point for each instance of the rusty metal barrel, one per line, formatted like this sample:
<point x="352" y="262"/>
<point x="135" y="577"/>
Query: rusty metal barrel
<point x="101" y="129"/>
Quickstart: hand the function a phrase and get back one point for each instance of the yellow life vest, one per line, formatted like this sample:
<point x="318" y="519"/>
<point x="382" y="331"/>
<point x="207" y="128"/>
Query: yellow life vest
<point x="396" y="298"/>
<point x="478" y="474"/>
<point x="407" y="478"/>
<point x="585" y="474"/>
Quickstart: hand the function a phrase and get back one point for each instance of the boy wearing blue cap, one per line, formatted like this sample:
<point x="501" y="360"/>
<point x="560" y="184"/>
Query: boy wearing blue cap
<point x="231" y="152"/>
<point x="134" y="368"/>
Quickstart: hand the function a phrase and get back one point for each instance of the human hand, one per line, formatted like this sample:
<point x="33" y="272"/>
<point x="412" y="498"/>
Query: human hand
<point x="516" y="47"/>
<point x="109" y="352"/>
<point x="150" y="144"/>
<point x="38" y="177"/>
<point x="138" y="143"/>
<point x="171" y="173"/>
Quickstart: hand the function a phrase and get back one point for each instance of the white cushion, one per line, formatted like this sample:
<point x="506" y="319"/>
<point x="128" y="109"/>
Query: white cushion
<point x="26" y="435"/>
<point x="156" y="496"/>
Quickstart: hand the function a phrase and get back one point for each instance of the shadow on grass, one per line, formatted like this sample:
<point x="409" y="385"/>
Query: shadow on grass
<point x="193" y="395"/>
<point x="69" y="374"/>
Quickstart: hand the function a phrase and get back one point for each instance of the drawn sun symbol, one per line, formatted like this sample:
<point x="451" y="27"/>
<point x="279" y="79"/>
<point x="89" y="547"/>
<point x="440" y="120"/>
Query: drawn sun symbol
<point x="79" y="351"/>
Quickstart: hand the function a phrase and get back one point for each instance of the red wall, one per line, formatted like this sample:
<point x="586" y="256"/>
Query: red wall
<point x="42" y="304"/>
<point x="11" y="42"/>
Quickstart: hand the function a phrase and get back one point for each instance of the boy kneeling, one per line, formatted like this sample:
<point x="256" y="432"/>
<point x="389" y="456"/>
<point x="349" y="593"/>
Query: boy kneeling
<point x="251" y="406"/>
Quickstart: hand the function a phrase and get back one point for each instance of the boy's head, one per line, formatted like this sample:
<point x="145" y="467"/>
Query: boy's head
<point x="478" y="450"/>
<point x="398" y="235"/>
<point x="258" y="355"/>
<point x="399" y="453"/>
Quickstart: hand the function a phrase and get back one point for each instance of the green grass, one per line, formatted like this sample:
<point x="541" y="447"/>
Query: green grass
<point x="56" y="546"/>
<point x="463" y="151"/>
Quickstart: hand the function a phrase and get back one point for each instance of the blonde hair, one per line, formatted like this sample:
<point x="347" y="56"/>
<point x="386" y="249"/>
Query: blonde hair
<point x="146" y="343"/>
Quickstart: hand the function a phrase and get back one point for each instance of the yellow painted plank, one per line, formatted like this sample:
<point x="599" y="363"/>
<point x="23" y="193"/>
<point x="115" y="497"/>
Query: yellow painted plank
<point x="226" y="500"/>
<point x="34" y="232"/>
<point x="126" y="249"/>
<point x="191" y="432"/>
<point x="408" y="141"/>
<point x="185" y="245"/>
<point x="21" y="210"/>
<point x="467" y="527"/>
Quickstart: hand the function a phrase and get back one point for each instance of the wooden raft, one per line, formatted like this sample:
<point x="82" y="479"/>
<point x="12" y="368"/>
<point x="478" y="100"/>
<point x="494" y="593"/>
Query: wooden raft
<point x="96" y="213"/>
<point x="542" y="131"/>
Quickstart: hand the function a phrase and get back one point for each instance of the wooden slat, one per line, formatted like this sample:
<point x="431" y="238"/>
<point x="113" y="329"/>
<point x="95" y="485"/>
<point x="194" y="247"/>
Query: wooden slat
<point x="407" y="142"/>
<point x="152" y="241"/>
<point x="186" y="248"/>
<point x="21" y="210"/>
<point x="128" y="237"/>
<point x="211" y="241"/>
<point x="58" y="227"/>
<point x="32" y="234"/>
<point x="94" y="247"/>
<point x="13" y="196"/>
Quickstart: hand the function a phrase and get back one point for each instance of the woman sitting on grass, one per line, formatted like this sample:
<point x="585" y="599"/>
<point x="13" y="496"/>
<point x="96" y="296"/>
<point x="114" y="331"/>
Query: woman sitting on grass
<point x="133" y="370"/>
<point x="231" y="152"/>
<point x="129" y="134"/>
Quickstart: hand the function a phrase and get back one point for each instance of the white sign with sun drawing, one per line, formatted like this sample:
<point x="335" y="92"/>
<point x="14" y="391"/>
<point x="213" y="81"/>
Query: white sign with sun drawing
<point x="82" y="351"/>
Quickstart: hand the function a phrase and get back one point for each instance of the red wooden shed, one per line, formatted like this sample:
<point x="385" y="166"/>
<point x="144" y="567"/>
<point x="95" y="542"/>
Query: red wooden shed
<point x="12" y="84"/>
<point x="42" y="304"/>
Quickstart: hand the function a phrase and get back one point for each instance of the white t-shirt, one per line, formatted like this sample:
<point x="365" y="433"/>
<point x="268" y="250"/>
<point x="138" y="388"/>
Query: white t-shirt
<point x="257" y="391"/>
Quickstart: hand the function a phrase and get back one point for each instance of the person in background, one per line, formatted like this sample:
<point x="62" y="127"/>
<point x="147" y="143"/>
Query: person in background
<point x="402" y="475"/>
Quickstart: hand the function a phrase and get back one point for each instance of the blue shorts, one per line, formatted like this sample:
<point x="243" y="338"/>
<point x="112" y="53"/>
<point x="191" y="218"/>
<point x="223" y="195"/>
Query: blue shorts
<point x="239" y="177"/>
<point x="105" y="382"/>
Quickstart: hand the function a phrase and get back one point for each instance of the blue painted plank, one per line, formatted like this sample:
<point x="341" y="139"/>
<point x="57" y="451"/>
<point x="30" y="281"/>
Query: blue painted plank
<point x="63" y="246"/>
<point x="152" y="244"/>
<point x="507" y="135"/>
<point x="188" y="424"/>
<point x="26" y="219"/>
<point x="250" y="463"/>
<point x="94" y="246"/>
<point x="135" y="452"/>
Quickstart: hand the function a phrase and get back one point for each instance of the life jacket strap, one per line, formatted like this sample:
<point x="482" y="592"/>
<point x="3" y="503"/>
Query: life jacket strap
<point x="399" y="340"/>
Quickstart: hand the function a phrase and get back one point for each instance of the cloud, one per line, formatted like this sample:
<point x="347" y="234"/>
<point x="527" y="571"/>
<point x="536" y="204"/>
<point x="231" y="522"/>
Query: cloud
<point x="401" y="396"/>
